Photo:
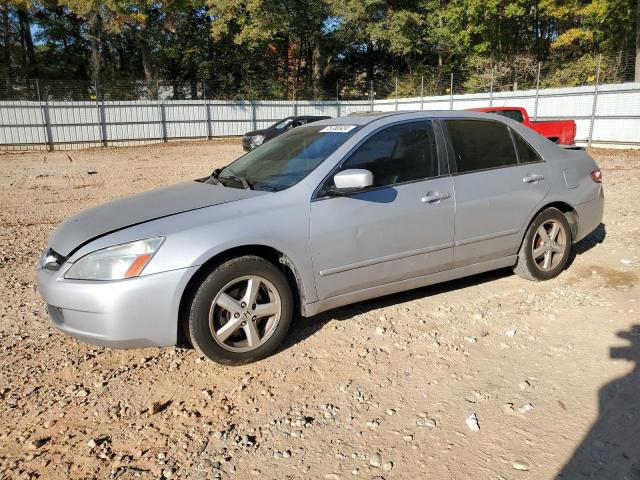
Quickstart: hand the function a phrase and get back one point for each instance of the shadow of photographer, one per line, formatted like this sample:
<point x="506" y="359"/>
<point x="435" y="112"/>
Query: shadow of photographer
<point x="611" y="449"/>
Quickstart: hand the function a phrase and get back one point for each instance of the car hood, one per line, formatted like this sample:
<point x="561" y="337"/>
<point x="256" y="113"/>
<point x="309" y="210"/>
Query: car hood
<point x="143" y="207"/>
<point x="268" y="133"/>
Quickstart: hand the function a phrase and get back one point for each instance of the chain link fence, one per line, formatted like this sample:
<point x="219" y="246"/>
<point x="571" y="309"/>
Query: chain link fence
<point x="37" y="113"/>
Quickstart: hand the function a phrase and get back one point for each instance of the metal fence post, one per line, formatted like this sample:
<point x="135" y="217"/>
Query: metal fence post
<point x="535" y="108"/>
<point x="451" y="93"/>
<point x="46" y="121"/>
<point x="253" y="115"/>
<point x="371" y="95"/>
<point x="595" y="102"/>
<point x="207" y="108"/>
<point x="491" y="87"/>
<point x="337" y="99"/>
<point x="422" y="92"/>
<point x="396" y="94"/>
<point x="101" y="117"/>
<point x="161" y="114"/>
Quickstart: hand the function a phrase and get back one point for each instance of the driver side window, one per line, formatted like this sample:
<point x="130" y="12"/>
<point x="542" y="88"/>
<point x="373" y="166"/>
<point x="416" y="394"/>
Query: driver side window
<point x="397" y="154"/>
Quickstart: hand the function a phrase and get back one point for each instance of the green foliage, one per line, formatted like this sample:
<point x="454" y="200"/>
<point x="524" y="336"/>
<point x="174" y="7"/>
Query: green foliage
<point x="314" y="48"/>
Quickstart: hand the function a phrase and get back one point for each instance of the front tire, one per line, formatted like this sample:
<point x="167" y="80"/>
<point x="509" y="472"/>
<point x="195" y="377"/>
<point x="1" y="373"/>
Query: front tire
<point x="546" y="246"/>
<point x="241" y="311"/>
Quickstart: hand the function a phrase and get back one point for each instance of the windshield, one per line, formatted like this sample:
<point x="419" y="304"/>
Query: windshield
<point x="281" y="124"/>
<point x="287" y="159"/>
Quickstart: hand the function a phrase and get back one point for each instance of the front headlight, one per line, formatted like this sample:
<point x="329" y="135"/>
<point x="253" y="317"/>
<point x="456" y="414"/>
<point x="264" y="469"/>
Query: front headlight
<point x="115" y="263"/>
<point x="257" y="140"/>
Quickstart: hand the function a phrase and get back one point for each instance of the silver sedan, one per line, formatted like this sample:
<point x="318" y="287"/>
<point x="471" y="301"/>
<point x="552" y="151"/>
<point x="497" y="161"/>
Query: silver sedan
<point x="328" y="214"/>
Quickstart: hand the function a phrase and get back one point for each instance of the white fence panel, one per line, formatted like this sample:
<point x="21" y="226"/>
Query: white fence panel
<point x="41" y="124"/>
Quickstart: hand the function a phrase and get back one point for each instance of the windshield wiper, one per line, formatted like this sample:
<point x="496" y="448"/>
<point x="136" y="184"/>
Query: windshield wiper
<point x="245" y="183"/>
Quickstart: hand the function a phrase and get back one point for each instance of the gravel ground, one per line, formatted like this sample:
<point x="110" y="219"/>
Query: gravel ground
<point x="390" y="388"/>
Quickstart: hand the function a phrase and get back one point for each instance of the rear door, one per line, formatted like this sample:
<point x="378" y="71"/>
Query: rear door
<point x="495" y="191"/>
<point x="399" y="229"/>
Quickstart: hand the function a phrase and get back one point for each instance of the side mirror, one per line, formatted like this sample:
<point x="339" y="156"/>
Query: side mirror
<point x="352" y="180"/>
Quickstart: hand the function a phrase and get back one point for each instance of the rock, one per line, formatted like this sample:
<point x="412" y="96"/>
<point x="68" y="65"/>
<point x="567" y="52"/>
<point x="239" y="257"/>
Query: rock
<point x="472" y="422"/>
<point x="510" y="333"/>
<point x="155" y="407"/>
<point x="82" y="393"/>
<point x="390" y="411"/>
<point x="430" y="422"/>
<point x="527" y="407"/>
<point x="388" y="466"/>
<point x="408" y="438"/>
<point x="380" y="330"/>
<point x="477" y="315"/>
<point x="375" y="460"/>
<point x="519" y="465"/>
<point x="471" y="339"/>
<point x="624" y="261"/>
<point x="332" y="476"/>
<point x="92" y="443"/>
<point x="167" y="472"/>
<point x="38" y="442"/>
<point x="523" y="385"/>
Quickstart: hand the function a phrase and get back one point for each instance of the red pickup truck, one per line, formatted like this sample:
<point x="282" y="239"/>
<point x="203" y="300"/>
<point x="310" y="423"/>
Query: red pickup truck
<point x="562" y="132"/>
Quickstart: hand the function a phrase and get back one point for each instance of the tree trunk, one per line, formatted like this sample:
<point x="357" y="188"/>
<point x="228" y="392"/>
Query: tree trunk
<point x="638" y="41"/>
<point x="147" y="64"/>
<point x="95" y="25"/>
<point x="193" y="84"/>
<point x="6" y="38"/>
<point x="370" y="63"/>
<point x="27" y="39"/>
<point x="285" y="60"/>
<point x="316" y="61"/>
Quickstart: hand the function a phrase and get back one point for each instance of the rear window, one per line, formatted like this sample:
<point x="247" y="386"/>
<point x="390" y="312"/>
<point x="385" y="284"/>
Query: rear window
<point x="512" y="114"/>
<point x="479" y="145"/>
<point x="526" y="153"/>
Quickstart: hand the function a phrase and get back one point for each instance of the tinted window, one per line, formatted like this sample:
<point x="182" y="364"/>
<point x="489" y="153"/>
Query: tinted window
<point x="479" y="144"/>
<point x="526" y="153"/>
<point x="400" y="153"/>
<point x="512" y="114"/>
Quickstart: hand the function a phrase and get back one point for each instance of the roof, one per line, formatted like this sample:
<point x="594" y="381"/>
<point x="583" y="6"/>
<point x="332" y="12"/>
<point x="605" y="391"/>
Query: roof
<point x="300" y="117"/>
<point x="364" y="118"/>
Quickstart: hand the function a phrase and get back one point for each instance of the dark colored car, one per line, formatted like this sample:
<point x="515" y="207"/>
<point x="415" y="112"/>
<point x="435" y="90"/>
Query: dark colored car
<point x="254" y="139"/>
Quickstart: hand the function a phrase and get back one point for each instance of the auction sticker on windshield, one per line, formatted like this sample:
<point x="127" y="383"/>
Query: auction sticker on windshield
<point x="337" y="129"/>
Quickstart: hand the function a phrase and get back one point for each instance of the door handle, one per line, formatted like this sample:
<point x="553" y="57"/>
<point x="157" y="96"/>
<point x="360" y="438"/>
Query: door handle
<point x="532" y="177"/>
<point x="433" y="197"/>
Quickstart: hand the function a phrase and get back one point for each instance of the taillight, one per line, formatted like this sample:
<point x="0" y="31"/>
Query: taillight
<point x="596" y="176"/>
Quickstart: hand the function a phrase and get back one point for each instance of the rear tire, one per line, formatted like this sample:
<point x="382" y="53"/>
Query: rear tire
<point x="241" y="311"/>
<point x="546" y="247"/>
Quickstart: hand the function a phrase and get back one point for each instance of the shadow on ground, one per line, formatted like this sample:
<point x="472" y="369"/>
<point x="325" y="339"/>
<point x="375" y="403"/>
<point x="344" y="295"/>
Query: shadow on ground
<point x="611" y="449"/>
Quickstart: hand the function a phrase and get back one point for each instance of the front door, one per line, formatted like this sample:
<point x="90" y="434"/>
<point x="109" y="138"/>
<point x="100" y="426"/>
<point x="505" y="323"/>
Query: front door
<point x="401" y="228"/>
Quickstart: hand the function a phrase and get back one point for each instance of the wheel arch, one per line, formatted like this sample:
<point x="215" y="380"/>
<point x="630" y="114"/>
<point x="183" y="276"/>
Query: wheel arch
<point x="565" y="208"/>
<point x="271" y="254"/>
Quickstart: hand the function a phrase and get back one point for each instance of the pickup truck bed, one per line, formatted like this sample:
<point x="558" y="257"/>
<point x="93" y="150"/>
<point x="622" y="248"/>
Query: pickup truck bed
<point x="562" y="132"/>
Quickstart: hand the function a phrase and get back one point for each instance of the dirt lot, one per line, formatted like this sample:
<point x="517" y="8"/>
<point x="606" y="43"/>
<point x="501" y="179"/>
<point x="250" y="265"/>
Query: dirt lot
<point x="381" y="389"/>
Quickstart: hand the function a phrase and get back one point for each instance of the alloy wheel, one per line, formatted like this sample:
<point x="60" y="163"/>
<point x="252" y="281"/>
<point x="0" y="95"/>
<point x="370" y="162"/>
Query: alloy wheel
<point x="245" y="313"/>
<point x="549" y="245"/>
